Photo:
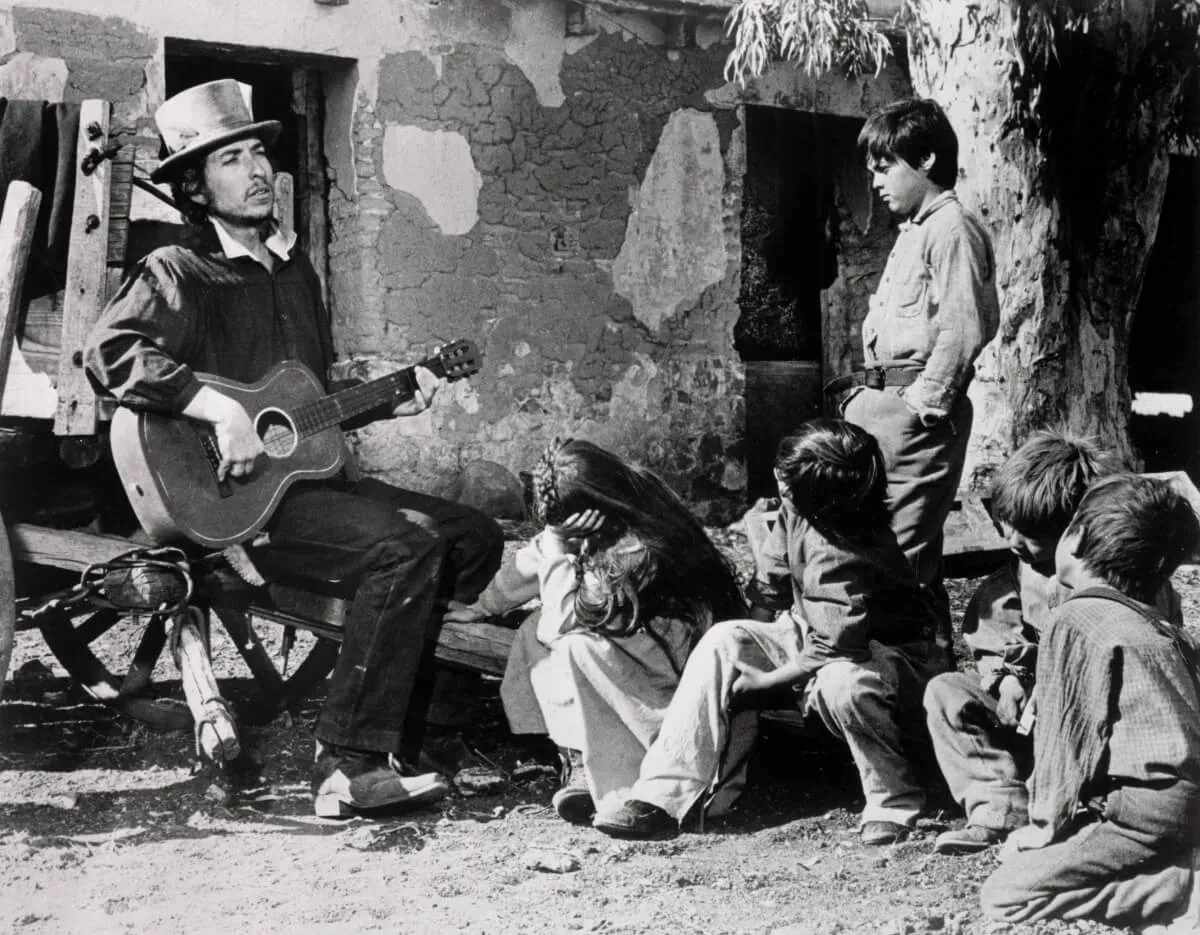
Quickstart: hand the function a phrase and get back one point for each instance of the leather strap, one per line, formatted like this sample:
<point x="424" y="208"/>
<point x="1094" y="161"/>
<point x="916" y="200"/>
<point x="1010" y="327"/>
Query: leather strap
<point x="875" y="378"/>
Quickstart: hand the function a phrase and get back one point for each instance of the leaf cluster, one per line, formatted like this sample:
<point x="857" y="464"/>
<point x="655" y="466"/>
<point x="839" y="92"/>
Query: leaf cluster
<point x="818" y="35"/>
<point x="1053" y="38"/>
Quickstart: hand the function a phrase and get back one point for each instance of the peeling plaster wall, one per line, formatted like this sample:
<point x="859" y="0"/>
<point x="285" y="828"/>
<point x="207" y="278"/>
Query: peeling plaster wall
<point x="597" y="269"/>
<point x="571" y="203"/>
<point x="674" y="248"/>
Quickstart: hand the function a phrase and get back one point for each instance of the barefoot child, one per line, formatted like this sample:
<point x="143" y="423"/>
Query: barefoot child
<point x="1115" y="792"/>
<point x="853" y="646"/>
<point x="629" y="581"/>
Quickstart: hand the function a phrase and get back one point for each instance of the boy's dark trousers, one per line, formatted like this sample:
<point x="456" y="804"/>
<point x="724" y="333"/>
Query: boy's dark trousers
<point x="1130" y="866"/>
<point x="924" y="466"/>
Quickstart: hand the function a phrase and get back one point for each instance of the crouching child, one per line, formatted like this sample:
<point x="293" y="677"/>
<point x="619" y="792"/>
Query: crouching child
<point x="978" y="721"/>
<point x="854" y="646"/>
<point x="1115" y="791"/>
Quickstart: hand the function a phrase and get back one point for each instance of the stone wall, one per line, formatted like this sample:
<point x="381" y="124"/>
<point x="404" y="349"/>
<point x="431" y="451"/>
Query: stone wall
<point x="584" y="246"/>
<point x="569" y="202"/>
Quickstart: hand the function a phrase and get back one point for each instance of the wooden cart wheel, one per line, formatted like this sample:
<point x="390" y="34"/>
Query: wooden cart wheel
<point x="274" y="692"/>
<point x="8" y="603"/>
<point x="75" y="640"/>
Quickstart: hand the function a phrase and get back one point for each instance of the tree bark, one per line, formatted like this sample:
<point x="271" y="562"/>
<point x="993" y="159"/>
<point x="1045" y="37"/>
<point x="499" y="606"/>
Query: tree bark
<point x="1072" y="206"/>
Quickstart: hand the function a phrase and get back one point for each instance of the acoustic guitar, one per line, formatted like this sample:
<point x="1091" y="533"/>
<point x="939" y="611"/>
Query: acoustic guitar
<point x="168" y="464"/>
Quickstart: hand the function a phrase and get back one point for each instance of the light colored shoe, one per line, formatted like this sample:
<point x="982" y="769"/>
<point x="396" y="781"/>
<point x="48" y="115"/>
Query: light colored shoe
<point x="346" y="782"/>
<point x="970" y="839"/>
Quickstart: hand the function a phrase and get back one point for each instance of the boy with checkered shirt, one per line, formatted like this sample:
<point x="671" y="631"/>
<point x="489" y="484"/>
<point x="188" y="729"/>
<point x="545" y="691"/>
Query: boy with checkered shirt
<point x="1114" y="802"/>
<point x="973" y="717"/>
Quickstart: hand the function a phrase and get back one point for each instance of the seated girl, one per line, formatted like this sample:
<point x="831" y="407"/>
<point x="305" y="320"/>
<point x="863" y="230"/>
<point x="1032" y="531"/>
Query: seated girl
<point x="854" y="646"/>
<point x="629" y="581"/>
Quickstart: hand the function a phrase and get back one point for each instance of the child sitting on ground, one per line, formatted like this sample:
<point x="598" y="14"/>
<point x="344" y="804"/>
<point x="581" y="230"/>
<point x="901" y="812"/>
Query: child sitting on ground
<point x="629" y="581"/>
<point x="1115" y="792"/>
<point x="973" y="718"/>
<point x="854" y="645"/>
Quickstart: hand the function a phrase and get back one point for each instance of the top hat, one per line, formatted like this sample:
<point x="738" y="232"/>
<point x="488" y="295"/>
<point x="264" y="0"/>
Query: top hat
<point x="196" y="121"/>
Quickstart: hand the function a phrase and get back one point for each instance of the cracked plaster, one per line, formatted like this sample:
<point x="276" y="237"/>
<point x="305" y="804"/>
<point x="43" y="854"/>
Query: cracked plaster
<point x="674" y="244"/>
<point x="8" y="36"/>
<point x="34" y="77"/>
<point x="436" y="168"/>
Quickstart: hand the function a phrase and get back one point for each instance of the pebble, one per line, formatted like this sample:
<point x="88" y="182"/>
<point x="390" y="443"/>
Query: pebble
<point x="550" y="861"/>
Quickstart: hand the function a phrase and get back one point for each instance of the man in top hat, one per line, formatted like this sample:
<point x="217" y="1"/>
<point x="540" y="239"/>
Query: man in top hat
<point x="234" y="299"/>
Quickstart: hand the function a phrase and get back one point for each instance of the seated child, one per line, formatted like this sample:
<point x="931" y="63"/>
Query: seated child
<point x="973" y="718"/>
<point x="854" y="646"/>
<point x="1115" y="793"/>
<point x="629" y="581"/>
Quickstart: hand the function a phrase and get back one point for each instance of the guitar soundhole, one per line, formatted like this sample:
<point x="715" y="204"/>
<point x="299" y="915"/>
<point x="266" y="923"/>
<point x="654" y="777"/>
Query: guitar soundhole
<point x="277" y="433"/>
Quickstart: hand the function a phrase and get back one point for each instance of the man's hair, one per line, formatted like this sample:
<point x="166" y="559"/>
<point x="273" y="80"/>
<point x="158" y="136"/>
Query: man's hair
<point x="1134" y="532"/>
<point x="1037" y="490"/>
<point x="187" y="181"/>
<point x="911" y="130"/>
<point x="834" y="473"/>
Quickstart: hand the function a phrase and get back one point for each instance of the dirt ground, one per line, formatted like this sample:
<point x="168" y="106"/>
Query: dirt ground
<point x="108" y="827"/>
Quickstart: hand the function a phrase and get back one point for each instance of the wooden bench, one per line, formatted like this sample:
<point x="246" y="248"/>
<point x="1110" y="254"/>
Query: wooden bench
<point x="47" y="558"/>
<point x="481" y="647"/>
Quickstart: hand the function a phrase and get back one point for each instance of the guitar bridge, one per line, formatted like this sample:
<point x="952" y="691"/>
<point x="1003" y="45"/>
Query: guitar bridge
<point x="212" y="454"/>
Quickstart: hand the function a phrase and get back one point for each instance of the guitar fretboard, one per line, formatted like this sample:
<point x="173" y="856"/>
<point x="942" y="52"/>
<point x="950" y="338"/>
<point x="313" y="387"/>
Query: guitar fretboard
<point x="329" y="411"/>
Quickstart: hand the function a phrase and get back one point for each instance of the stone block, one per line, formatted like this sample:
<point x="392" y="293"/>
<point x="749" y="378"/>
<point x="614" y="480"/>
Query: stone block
<point x="490" y="488"/>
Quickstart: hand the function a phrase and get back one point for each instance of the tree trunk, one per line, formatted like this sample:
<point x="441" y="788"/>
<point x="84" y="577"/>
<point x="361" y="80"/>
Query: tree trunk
<point x="1073" y="207"/>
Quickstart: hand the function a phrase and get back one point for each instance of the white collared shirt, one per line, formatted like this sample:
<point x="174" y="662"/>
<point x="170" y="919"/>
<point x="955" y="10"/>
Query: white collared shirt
<point x="277" y="242"/>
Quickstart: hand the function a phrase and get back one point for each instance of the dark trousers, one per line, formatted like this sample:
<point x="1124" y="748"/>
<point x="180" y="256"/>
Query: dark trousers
<point x="1131" y="867"/>
<point x="406" y="554"/>
<point x="924" y="465"/>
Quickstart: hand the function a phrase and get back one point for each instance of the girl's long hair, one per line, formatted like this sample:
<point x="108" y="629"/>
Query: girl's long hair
<point x="835" y="478"/>
<point x="652" y="553"/>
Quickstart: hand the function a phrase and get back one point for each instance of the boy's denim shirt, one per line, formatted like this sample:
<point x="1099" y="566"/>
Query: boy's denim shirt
<point x="936" y="305"/>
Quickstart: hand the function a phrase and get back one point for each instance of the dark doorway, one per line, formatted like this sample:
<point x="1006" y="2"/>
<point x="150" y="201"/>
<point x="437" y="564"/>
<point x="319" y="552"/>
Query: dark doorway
<point x="288" y="88"/>
<point x="1164" y="343"/>
<point x="789" y="255"/>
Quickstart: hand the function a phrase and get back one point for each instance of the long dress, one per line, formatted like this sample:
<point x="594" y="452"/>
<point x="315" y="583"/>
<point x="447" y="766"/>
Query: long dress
<point x="601" y="694"/>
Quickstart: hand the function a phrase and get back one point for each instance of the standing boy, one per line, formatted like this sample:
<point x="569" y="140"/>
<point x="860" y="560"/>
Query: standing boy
<point x="933" y="312"/>
<point x="1114" y="801"/>
<point x="234" y="300"/>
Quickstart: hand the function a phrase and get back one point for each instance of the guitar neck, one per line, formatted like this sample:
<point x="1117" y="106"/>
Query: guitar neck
<point x="354" y="401"/>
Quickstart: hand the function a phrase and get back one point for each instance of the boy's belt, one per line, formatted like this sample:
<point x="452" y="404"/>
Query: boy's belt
<point x="875" y="378"/>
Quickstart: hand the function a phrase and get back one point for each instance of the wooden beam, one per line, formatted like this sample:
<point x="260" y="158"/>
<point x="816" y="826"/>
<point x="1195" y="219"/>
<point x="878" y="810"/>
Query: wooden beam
<point x="311" y="185"/>
<point x="285" y="213"/>
<point x="69" y="549"/>
<point x="16" y="237"/>
<point x="482" y="647"/>
<point x="87" y="270"/>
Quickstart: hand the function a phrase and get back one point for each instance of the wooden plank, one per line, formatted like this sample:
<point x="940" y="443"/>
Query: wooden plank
<point x="87" y="272"/>
<point x="120" y="205"/>
<point x="65" y="548"/>
<point x="285" y="214"/>
<point x="311" y="183"/>
<point x="16" y="237"/>
<point x="969" y="528"/>
<point x="482" y="647"/>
